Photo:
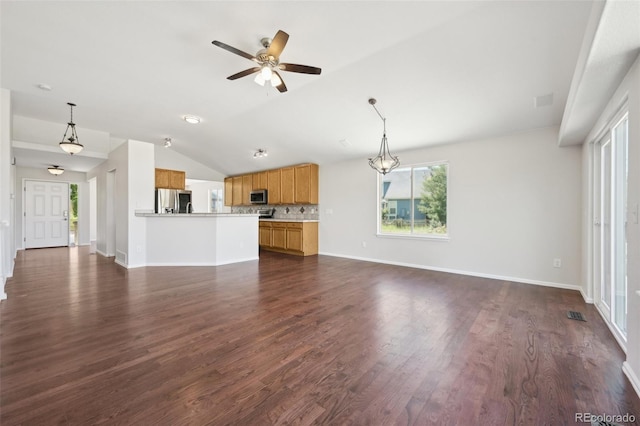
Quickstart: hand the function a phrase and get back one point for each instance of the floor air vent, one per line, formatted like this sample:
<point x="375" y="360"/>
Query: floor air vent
<point x="575" y="316"/>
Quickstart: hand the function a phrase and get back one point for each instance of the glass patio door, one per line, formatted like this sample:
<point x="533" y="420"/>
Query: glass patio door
<point x="609" y="236"/>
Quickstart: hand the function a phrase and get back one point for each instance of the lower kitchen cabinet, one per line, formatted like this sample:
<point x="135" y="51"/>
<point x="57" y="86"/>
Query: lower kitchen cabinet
<point x="299" y="238"/>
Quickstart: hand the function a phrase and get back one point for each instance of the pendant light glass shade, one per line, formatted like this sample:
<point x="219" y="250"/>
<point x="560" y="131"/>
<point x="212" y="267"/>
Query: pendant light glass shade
<point x="384" y="162"/>
<point x="70" y="144"/>
<point x="56" y="170"/>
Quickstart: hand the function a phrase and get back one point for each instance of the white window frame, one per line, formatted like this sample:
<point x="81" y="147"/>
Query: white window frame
<point x="434" y="237"/>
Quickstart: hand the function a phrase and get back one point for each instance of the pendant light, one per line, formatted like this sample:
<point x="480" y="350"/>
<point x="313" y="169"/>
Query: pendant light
<point x="71" y="145"/>
<point x="56" y="170"/>
<point x="384" y="162"/>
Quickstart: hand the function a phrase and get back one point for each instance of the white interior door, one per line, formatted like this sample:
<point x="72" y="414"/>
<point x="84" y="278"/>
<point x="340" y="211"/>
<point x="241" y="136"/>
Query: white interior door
<point x="46" y="214"/>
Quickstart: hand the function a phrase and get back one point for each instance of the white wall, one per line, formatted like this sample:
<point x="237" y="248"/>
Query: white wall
<point x="7" y="201"/>
<point x="132" y="165"/>
<point x="201" y="196"/>
<point x="78" y="178"/>
<point x="168" y="158"/>
<point x="93" y="209"/>
<point x="140" y="188"/>
<point x="629" y="89"/>
<point x="107" y="196"/>
<point x="514" y="205"/>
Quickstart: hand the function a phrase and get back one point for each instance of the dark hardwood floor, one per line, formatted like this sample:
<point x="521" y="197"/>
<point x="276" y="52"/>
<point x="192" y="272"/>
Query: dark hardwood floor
<point x="291" y="340"/>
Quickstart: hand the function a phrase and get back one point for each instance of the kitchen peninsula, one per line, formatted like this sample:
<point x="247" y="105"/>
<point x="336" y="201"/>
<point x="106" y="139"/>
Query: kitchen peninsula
<point x="200" y="239"/>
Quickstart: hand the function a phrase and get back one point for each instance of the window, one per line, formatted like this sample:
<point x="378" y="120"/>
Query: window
<point x="217" y="201"/>
<point x="413" y="201"/>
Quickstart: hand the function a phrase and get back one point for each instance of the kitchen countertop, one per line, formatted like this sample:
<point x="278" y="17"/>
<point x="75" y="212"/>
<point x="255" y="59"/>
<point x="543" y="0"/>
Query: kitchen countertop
<point x="287" y="220"/>
<point x="147" y="214"/>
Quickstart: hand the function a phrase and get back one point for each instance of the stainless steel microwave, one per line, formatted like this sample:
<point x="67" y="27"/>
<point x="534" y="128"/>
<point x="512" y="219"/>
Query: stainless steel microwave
<point x="258" y="197"/>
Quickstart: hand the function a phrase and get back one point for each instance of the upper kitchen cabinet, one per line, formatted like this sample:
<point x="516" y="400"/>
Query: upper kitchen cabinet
<point x="247" y="185"/>
<point x="260" y="180"/>
<point x="236" y="197"/>
<point x="287" y="185"/>
<point x="306" y="184"/>
<point x="273" y="186"/>
<point x="228" y="191"/>
<point x="170" y="179"/>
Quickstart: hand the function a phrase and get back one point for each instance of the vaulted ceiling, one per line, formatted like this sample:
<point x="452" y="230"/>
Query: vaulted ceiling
<point x="441" y="71"/>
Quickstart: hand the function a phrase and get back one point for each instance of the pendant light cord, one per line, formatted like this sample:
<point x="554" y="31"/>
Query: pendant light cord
<point x="372" y="101"/>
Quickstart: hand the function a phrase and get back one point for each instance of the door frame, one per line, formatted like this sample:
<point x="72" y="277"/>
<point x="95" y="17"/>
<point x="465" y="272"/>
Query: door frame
<point x="595" y="241"/>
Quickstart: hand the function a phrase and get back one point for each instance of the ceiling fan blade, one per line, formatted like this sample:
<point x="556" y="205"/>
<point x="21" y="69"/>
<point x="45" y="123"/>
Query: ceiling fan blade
<point x="305" y="69"/>
<point x="281" y="87"/>
<point x="277" y="44"/>
<point x="234" y="50"/>
<point x="243" y="73"/>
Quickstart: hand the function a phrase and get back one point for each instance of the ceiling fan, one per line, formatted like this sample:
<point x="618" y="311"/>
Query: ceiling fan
<point x="268" y="60"/>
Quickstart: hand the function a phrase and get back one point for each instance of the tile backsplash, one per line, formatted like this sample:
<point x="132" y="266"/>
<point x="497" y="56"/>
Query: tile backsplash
<point x="296" y="211"/>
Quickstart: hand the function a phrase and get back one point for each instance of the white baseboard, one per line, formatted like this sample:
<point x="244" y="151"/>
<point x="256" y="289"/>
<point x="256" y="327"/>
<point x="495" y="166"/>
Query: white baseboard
<point x="249" y="259"/>
<point x="631" y="375"/>
<point x="612" y="330"/>
<point x="586" y="298"/>
<point x="460" y="272"/>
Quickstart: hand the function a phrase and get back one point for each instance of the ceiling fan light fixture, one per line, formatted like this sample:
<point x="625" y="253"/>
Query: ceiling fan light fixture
<point x="384" y="162"/>
<point x="70" y="144"/>
<point x="275" y="80"/>
<point x="259" y="79"/>
<point x="268" y="62"/>
<point x="260" y="153"/>
<point x="56" y="170"/>
<point x="266" y="72"/>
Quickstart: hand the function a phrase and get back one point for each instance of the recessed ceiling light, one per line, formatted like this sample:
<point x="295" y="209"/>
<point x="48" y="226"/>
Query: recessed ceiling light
<point x="192" y="119"/>
<point x="44" y="87"/>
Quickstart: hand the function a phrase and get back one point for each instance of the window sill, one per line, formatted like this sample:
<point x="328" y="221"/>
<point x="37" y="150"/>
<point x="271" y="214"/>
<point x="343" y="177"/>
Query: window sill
<point x="443" y="238"/>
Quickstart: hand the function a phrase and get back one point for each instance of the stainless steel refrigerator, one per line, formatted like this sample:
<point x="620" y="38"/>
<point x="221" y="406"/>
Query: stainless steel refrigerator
<point x="170" y="201"/>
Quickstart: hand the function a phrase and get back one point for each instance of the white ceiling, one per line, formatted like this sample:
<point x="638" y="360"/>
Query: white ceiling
<point x="442" y="72"/>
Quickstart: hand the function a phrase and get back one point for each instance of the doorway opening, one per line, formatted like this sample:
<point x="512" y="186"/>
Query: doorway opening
<point x="73" y="214"/>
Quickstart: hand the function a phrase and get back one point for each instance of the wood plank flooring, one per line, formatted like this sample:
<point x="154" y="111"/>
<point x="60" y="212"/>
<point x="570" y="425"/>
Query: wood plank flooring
<point x="291" y="340"/>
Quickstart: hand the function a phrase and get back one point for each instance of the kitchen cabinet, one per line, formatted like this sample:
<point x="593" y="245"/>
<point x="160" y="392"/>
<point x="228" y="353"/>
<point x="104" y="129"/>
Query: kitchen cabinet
<point x="273" y="186"/>
<point x="287" y="185"/>
<point x="228" y="191"/>
<point x="279" y="235"/>
<point x="236" y="198"/>
<point x="170" y="179"/>
<point x="247" y="185"/>
<point x="299" y="238"/>
<point x="306" y="184"/>
<point x="264" y="234"/>
<point x="260" y="180"/>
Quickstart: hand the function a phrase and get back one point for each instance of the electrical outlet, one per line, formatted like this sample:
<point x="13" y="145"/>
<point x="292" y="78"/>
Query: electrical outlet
<point x="364" y="244"/>
<point x="557" y="262"/>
